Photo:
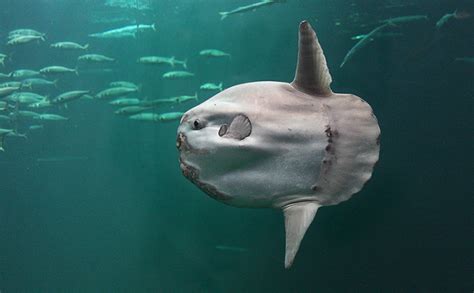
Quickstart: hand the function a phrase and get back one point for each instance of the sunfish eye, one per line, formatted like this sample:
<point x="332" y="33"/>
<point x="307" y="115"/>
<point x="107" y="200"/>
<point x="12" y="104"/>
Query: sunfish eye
<point x="197" y="124"/>
<point x="223" y="130"/>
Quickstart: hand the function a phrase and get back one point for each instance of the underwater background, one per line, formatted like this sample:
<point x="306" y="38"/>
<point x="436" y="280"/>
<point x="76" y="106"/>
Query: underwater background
<point x="98" y="203"/>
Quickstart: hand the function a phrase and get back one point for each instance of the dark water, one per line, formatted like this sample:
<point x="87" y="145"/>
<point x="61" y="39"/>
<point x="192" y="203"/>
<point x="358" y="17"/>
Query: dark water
<point x="107" y="209"/>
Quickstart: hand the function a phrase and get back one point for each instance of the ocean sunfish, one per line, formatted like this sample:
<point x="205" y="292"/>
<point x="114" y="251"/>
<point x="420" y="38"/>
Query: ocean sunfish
<point x="292" y="146"/>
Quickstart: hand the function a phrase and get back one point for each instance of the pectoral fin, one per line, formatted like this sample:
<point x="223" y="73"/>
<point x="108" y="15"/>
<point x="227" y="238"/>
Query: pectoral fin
<point x="239" y="128"/>
<point x="298" y="217"/>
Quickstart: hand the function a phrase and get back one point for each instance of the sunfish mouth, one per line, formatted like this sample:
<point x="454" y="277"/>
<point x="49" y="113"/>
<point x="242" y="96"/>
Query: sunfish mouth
<point x="181" y="143"/>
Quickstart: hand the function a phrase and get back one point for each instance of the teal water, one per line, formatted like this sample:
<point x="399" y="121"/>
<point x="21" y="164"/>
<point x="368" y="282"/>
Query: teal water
<point x="98" y="203"/>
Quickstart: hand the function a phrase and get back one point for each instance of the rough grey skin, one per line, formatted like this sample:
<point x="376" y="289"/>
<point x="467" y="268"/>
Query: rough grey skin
<point x="292" y="146"/>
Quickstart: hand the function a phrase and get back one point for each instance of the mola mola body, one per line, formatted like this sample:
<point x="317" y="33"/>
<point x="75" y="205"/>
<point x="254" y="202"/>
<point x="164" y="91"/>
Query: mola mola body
<point x="292" y="146"/>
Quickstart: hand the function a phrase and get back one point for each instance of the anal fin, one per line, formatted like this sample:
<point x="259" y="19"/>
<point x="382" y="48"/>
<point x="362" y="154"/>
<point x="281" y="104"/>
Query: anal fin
<point x="298" y="217"/>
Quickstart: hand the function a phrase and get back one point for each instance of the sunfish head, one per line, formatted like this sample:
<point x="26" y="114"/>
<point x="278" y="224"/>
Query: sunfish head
<point x="254" y="145"/>
<point x="294" y="146"/>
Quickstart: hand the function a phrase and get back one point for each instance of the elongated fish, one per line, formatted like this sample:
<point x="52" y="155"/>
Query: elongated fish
<point x="131" y="110"/>
<point x="157" y="60"/>
<point x="24" y="40"/>
<point x="51" y="117"/>
<point x="214" y="53"/>
<point x="69" y="46"/>
<point x="250" y="7"/>
<point x="447" y="17"/>
<point x="58" y="70"/>
<point x="122" y="83"/>
<point x="125" y="102"/>
<point x="124" y="32"/>
<point x="24" y="32"/>
<point x="362" y="43"/>
<point x="379" y="35"/>
<point x="115" y="92"/>
<point x="404" y="19"/>
<point x="171" y="116"/>
<point x="95" y="58"/>
<point x="177" y="74"/>
<point x="68" y="97"/>
<point x="211" y="86"/>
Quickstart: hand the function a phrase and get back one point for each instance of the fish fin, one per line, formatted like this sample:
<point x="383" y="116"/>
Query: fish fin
<point x="239" y="128"/>
<point x="220" y="86"/>
<point x="86" y="46"/>
<point x="312" y="73"/>
<point x="196" y="96"/>
<point x="76" y="71"/>
<point x="223" y="15"/>
<point x="153" y="26"/>
<point x="185" y="63"/>
<point x="55" y="82"/>
<point x="298" y="217"/>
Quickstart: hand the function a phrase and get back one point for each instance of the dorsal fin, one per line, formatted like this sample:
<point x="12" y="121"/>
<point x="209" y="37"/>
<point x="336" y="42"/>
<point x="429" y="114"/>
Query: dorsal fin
<point x="312" y="73"/>
<point x="298" y="217"/>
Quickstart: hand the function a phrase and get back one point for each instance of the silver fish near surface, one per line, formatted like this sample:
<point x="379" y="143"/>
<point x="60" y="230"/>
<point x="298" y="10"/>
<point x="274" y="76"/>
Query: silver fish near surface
<point x="251" y="7"/>
<point x="291" y="146"/>
<point x="362" y="43"/>
<point x="404" y="19"/>
<point x="129" y="31"/>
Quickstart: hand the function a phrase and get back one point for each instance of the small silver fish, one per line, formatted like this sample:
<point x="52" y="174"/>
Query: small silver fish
<point x="51" y="117"/>
<point x="58" y="70"/>
<point x="116" y="92"/>
<point x="24" y="40"/>
<point x="95" y="58"/>
<point x="211" y="87"/>
<point x="214" y="53"/>
<point x="177" y="74"/>
<point x="69" y="46"/>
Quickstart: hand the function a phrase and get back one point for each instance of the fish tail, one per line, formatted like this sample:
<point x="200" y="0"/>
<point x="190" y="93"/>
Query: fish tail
<point x="220" y="86"/>
<point x="185" y="63"/>
<point x="86" y="46"/>
<point x="55" y="83"/>
<point x="196" y="96"/>
<point x="153" y="27"/>
<point x="76" y="71"/>
<point x="223" y="15"/>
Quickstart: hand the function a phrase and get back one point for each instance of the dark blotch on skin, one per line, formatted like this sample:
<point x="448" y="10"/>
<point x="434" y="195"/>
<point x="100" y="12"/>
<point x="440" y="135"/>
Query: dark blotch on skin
<point x="315" y="188"/>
